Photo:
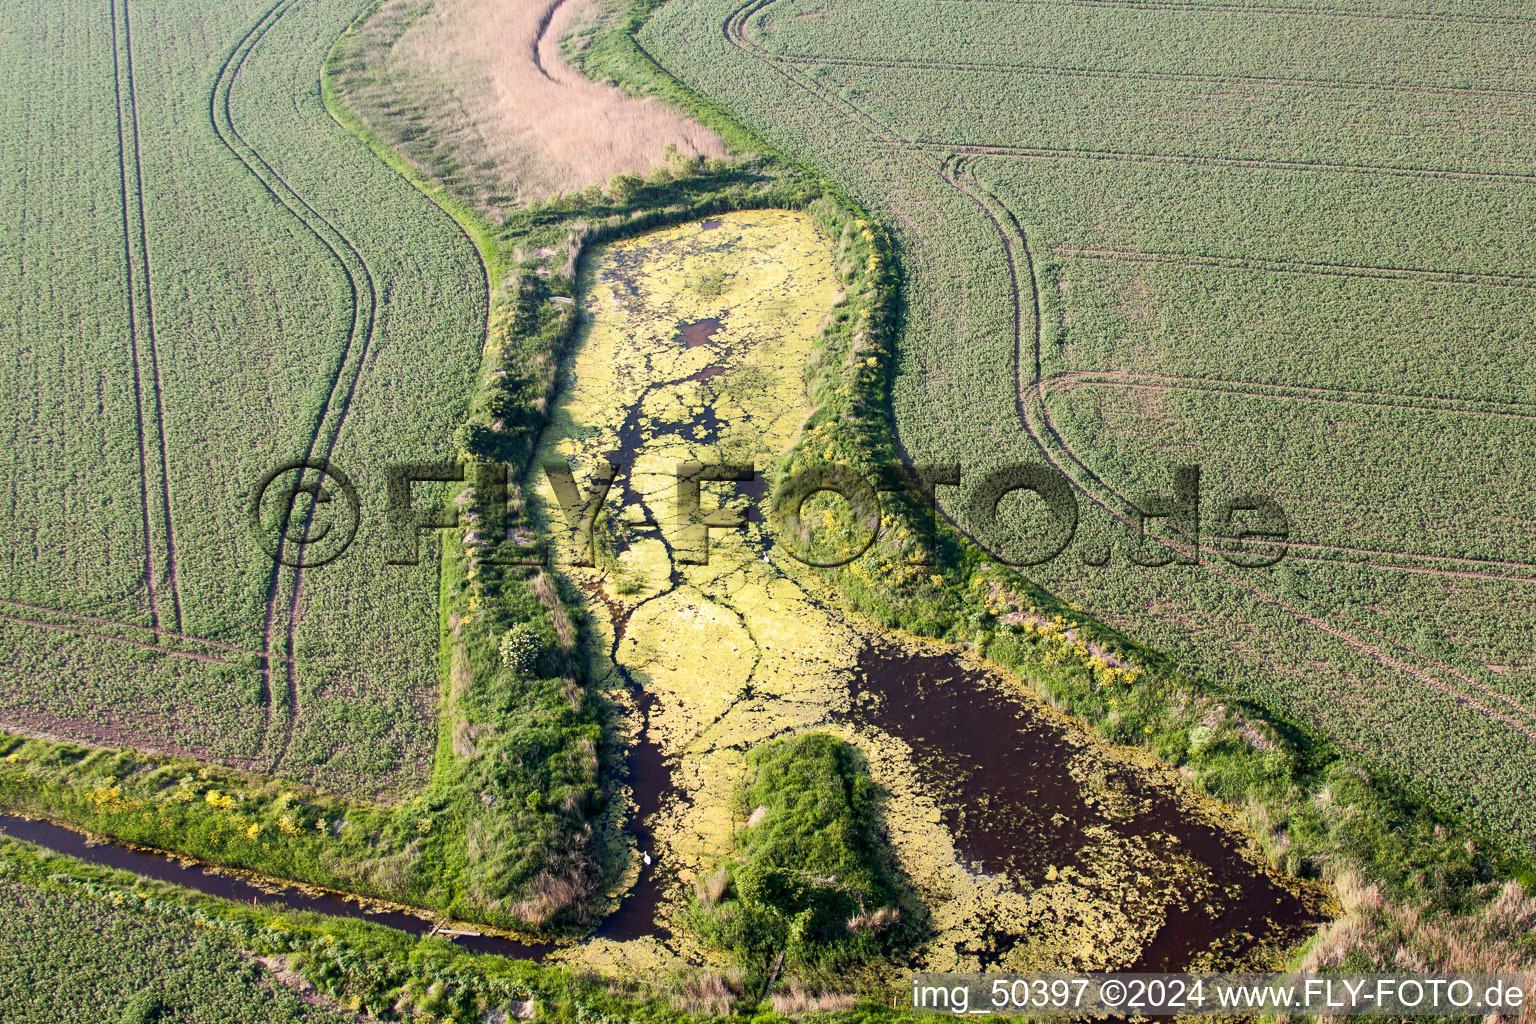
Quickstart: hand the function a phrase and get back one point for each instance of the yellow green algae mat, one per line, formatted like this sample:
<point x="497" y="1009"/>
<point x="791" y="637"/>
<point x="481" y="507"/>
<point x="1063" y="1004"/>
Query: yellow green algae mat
<point x="1031" y="844"/>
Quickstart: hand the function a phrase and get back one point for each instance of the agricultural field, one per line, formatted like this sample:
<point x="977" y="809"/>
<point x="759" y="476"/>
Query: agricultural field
<point x="1287" y="244"/>
<point x="209" y="277"/>
<point x="125" y="968"/>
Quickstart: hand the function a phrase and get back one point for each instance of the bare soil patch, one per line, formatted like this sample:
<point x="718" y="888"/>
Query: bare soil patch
<point x="478" y="94"/>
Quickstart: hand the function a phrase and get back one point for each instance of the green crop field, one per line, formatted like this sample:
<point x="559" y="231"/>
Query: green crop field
<point x="205" y="277"/>
<point x="117" y="968"/>
<point x="1288" y="243"/>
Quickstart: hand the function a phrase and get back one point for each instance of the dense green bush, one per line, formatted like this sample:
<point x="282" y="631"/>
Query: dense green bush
<point x="520" y="648"/>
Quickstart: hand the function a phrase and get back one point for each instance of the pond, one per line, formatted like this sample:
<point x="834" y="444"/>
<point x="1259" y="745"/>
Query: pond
<point x="1033" y="844"/>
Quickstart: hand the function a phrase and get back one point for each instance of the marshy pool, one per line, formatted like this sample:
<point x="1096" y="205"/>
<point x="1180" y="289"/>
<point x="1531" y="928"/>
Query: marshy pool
<point x="1032" y="844"/>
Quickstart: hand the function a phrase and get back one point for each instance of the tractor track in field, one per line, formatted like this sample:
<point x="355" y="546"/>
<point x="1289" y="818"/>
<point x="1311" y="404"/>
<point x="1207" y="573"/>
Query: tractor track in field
<point x="97" y="623"/>
<point x="1469" y="567"/>
<point x="1439" y="565"/>
<point x="1236" y="8"/>
<point x="1305" y="267"/>
<point x="136" y="271"/>
<point x="149" y="321"/>
<point x="359" y="335"/>
<point x="538" y="38"/>
<point x="1026" y="395"/>
<point x="1200" y="160"/>
<point x="83" y="631"/>
<point x="1466" y="566"/>
<point x="1117" y="74"/>
<point x="1299" y="392"/>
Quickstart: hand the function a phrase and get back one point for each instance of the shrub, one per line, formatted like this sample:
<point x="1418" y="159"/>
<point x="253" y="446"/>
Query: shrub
<point x="521" y="648"/>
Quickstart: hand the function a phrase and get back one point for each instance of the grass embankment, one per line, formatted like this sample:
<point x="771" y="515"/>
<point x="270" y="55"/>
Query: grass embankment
<point x="807" y="889"/>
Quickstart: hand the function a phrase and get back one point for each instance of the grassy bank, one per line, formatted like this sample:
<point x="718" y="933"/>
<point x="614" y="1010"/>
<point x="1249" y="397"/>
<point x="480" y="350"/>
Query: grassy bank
<point x="809" y="888"/>
<point x="356" y="965"/>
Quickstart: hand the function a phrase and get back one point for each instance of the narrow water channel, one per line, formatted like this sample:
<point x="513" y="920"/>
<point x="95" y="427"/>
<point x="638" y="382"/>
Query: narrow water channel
<point x="166" y="868"/>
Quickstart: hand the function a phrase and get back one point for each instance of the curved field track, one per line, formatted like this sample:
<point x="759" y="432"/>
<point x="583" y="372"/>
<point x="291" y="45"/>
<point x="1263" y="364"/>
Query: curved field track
<point x="1119" y="506"/>
<point x="362" y="304"/>
<point x="279" y="295"/>
<point x="1345" y="631"/>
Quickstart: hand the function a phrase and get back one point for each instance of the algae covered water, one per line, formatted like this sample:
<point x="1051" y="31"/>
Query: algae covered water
<point x="1032" y="844"/>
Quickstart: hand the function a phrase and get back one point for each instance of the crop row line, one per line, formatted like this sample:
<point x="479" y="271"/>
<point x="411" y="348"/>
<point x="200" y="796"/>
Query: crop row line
<point x="97" y="623"/>
<point x="1509" y="570"/>
<point x="1281" y="266"/>
<point x="1058" y="71"/>
<point x="1305" y="392"/>
<point x="1264" y="8"/>
<point x="136" y="270"/>
<point x="1195" y="159"/>
<point x="81" y="630"/>
<point x="362" y="296"/>
<point x="1404" y="650"/>
<point x="1040" y="427"/>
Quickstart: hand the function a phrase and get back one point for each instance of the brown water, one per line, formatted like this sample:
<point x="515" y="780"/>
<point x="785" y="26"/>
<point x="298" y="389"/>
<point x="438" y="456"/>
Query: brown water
<point x="1000" y="771"/>
<point x="699" y="332"/>
<point x="650" y="780"/>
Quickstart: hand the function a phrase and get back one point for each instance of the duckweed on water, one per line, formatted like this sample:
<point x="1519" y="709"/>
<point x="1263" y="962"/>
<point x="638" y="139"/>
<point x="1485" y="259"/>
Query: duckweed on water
<point x="692" y="349"/>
